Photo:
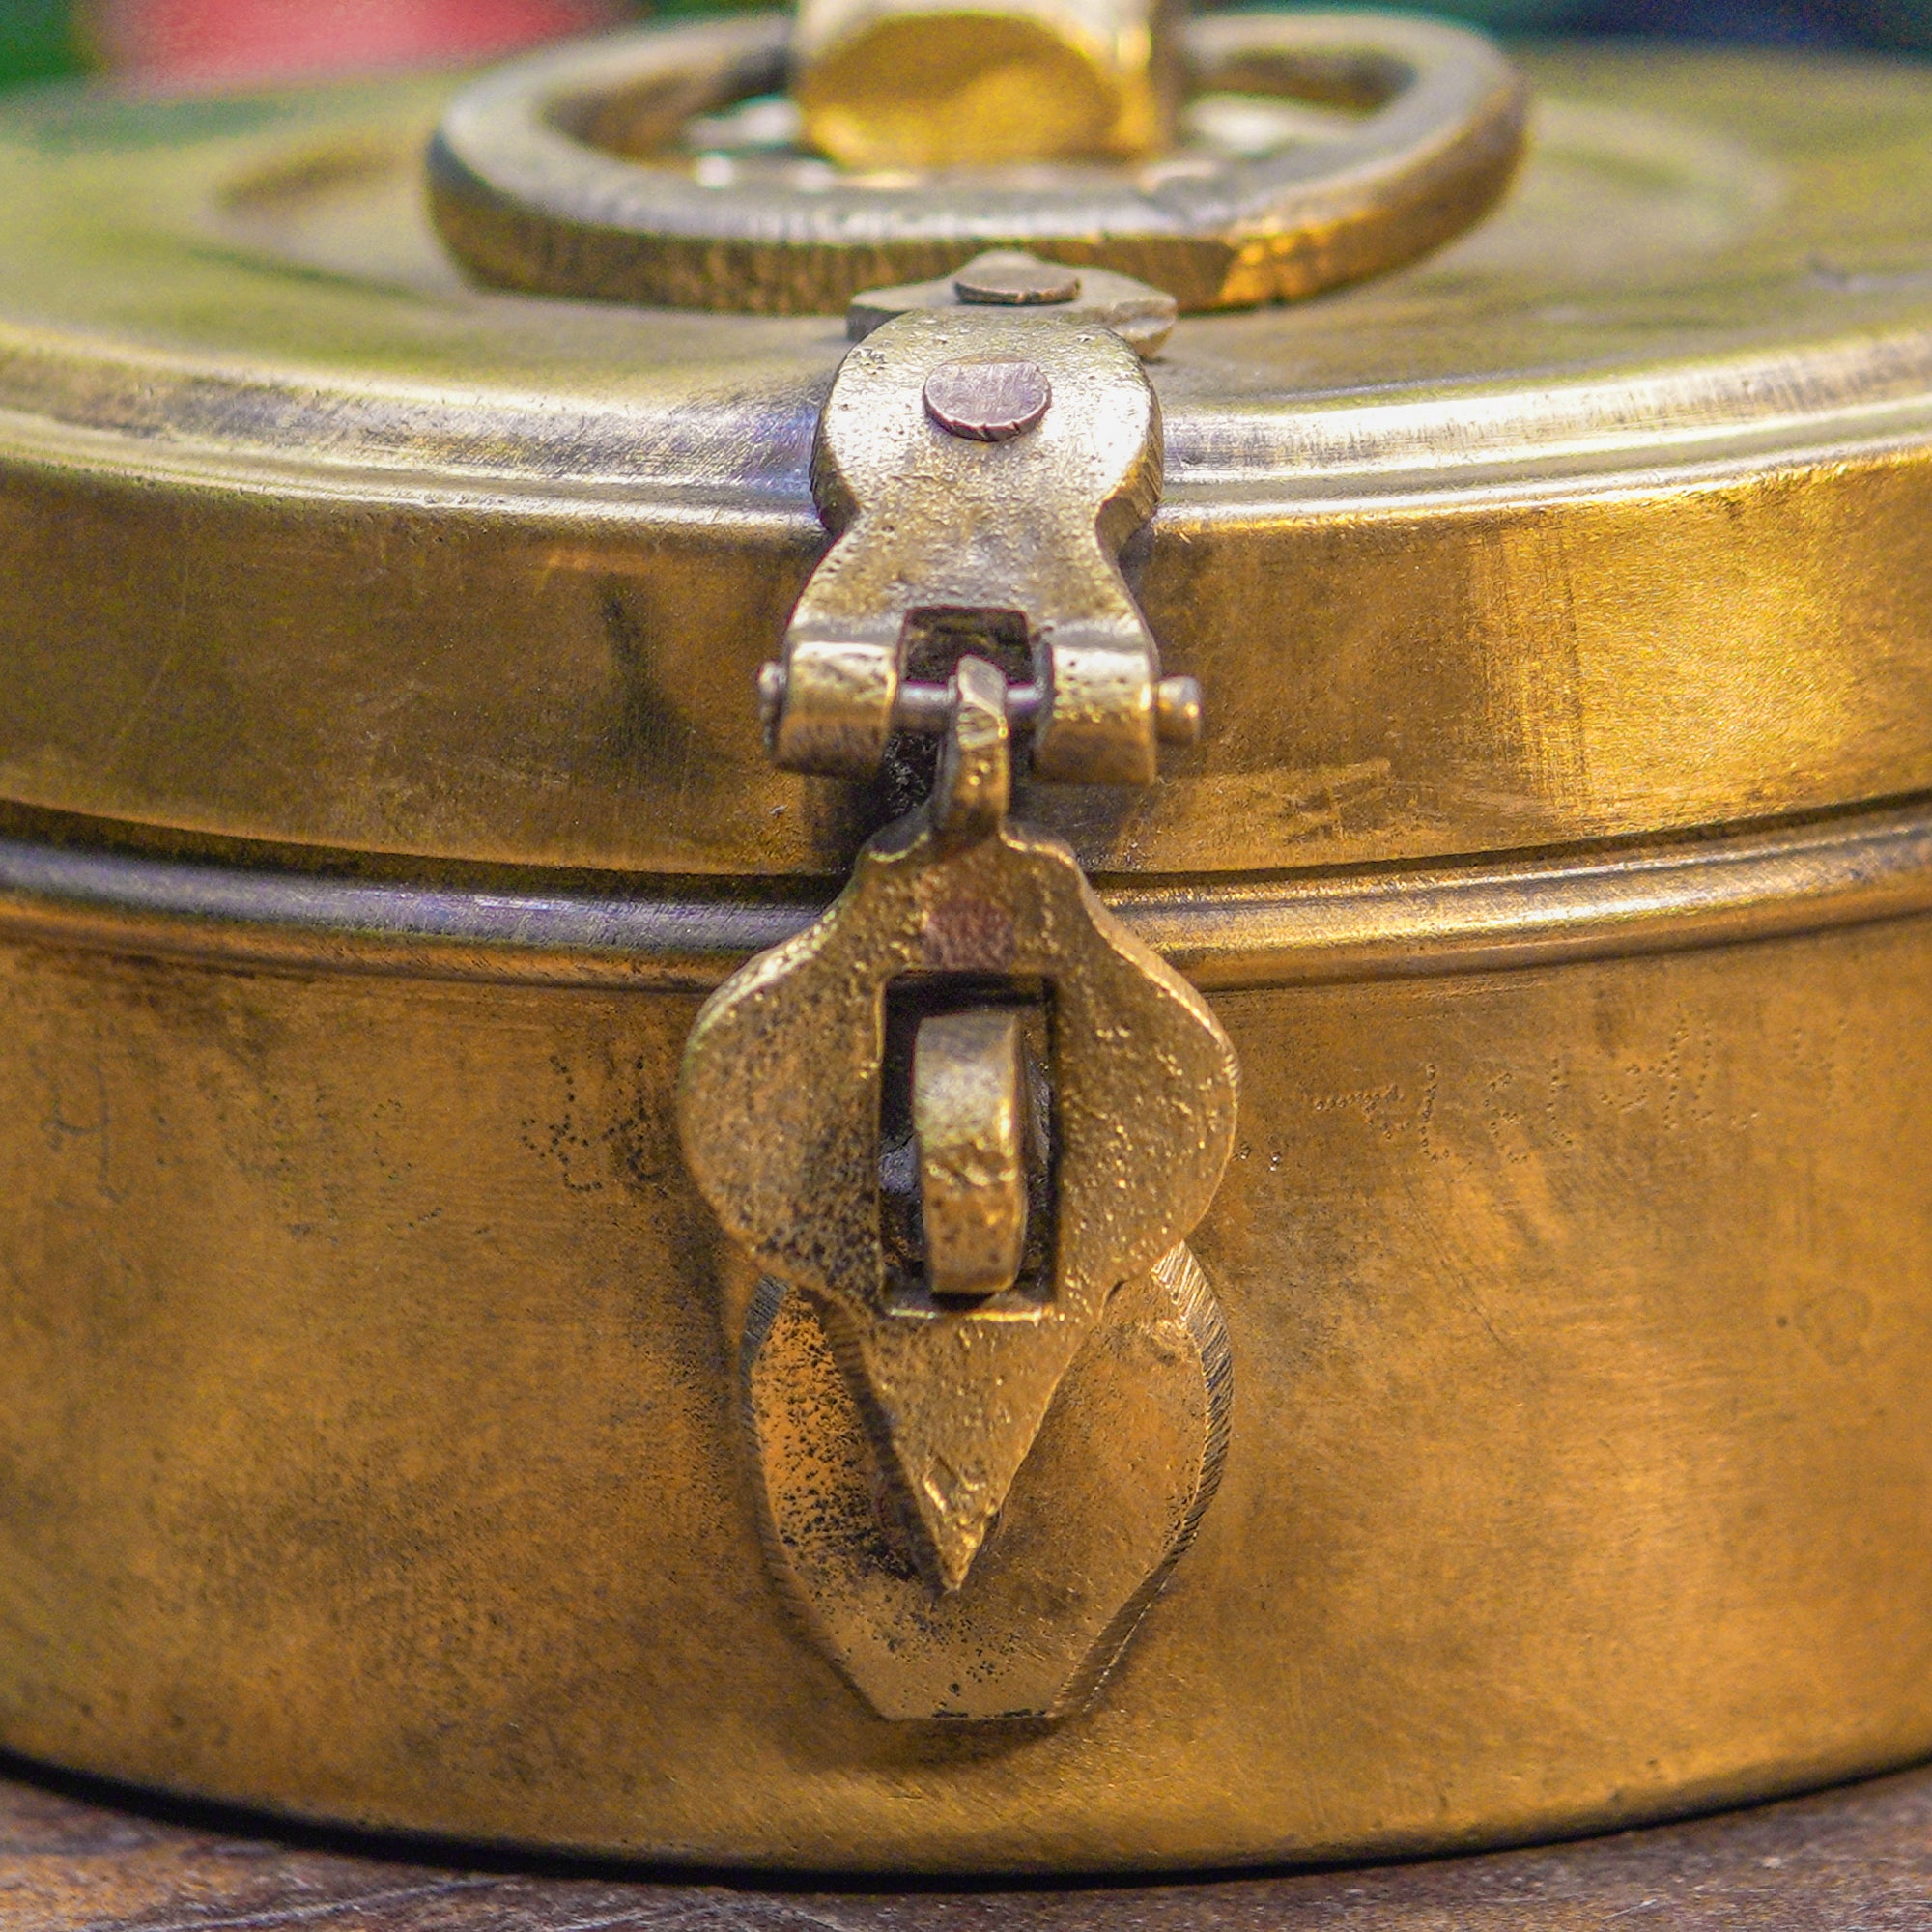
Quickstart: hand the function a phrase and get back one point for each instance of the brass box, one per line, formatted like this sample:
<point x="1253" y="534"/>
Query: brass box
<point x="383" y="791"/>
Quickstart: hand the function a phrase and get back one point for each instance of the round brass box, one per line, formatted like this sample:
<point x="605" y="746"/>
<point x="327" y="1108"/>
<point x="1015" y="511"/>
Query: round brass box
<point x="383" y="786"/>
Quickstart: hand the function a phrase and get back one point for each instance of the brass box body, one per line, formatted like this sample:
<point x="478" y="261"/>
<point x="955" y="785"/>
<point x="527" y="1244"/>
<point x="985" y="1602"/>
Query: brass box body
<point x="384" y="788"/>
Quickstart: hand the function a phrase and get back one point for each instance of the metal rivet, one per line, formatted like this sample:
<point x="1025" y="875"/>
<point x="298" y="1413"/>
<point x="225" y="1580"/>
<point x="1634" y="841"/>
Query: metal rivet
<point x="1015" y="280"/>
<point x="989" y="398"/>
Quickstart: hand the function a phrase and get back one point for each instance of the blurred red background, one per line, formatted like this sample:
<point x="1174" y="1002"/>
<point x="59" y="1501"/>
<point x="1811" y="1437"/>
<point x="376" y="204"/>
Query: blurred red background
<point x="206" y="44"/>
<point x="223" y="43"/>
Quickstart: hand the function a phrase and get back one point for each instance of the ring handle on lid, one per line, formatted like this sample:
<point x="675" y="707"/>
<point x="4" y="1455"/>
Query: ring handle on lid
<point x="563" y="173"/>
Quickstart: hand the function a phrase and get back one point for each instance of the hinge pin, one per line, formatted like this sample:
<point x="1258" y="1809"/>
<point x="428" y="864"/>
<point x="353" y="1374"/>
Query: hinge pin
<point x="925" y="710"/>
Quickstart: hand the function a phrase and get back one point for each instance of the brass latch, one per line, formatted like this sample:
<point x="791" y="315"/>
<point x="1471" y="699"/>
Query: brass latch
<point x="966" y="1121"/>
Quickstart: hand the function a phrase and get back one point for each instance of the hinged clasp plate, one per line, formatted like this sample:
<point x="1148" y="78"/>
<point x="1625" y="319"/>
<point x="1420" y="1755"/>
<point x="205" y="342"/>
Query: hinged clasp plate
<point x="966" y="1109"/>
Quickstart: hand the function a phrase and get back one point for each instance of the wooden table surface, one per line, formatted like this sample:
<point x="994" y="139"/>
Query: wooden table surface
<point x="76" y="1858"/>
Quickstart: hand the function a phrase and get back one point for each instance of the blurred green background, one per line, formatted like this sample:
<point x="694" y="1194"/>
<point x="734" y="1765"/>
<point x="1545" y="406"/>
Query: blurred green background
<point x="211" y="43"/>
<point x="36" y="39"/>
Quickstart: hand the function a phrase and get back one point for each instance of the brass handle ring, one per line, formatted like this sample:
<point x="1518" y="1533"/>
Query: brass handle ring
<point x="563" y="173"/>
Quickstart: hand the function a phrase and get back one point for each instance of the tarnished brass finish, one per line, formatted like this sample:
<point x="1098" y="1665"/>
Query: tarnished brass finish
<point x="954" y="1341"/>
<point x="563" y="173"/>
<point x="945" y="83"/>
<point x="388" y="794"/>
<point x="1608" y="520"/>
<point x="1125" y="1464"/>
<point x="779" y="1111"/>
<point x="1578" y="1473"/>
<point x="969" y="1124"/>
<point x="1014" y="544"/>
<point x="1311" y="930"/>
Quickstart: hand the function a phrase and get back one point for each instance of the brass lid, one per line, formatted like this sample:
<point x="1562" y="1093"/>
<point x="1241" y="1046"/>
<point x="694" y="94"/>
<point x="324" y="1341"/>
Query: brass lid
<point x="1609" y="518"/>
